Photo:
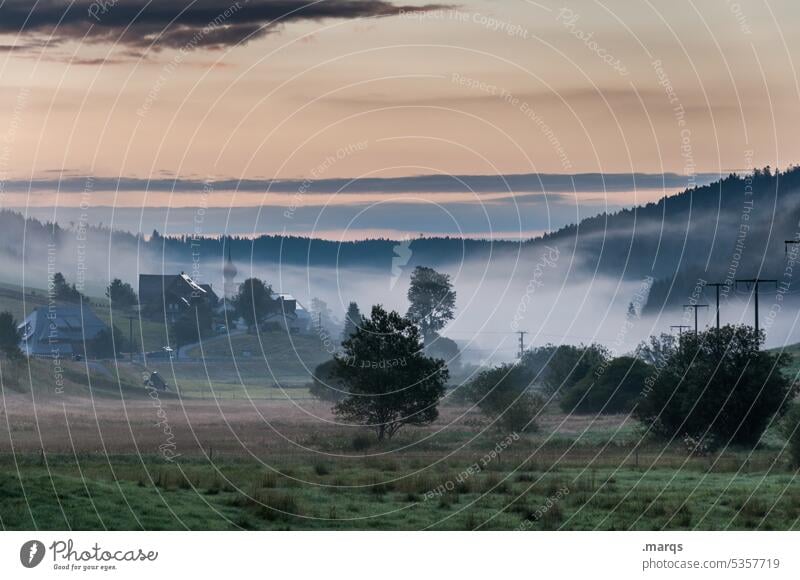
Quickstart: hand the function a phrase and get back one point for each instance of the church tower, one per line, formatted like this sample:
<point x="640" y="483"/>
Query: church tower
<point x="229" y="272"/>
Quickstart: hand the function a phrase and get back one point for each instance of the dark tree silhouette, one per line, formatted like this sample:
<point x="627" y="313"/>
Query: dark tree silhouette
<point x="790" y="429"/>
<point x="121" y="294"/>
<point x="505" y="395"/>
<point x="390" y="382"/>
<point x="193" y="325"/>
<point x="657" y="350"/>
<point x="325" y="386"/>
<point x="718" y="387"/>
<point x="9" y="335"/>
<point x="254" y="301"/>
<point x="352" y="320"/>
<point x="432" y="299"/>
<point x="64" y="291"/>
<point x="610" y="388"/>
<point x="108" y="343"/>
<point x="568" y="364"/>
<point x="444" y="348"/>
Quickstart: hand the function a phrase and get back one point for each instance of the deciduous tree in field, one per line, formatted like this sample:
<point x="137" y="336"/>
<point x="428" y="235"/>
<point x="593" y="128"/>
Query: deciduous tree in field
<point x="9" y="335"/>
<point x="64" y="291"/>
<point x="325" y="386"/>
<point x="718" y="386"/>
<point x="390" y="382"/>
<point x="505" y="396"/>
<point x="352" y="320"/>
<point x="432" y="299"/>
<point x="192" y="326"/>
<point x="121" y="294"/>
<point x="254" y="301"/>
<point x="568" y="364"/>
<point x="613" y="387"/>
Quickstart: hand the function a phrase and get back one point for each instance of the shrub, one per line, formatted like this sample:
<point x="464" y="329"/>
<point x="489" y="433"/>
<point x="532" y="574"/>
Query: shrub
<point x="106" y="341"/>
<point x="610" y="388"/>
<point x="361" y="443"/>
<point x="9" y="335"/>
<point x="568" y="364"/>
<point x="437" y="346"/>
<point x="321" y="469"/>
<point x="718" y="384"/>
<point x="790" y="429"/>
<point x="381" y="395"/>
<point x="504" y="395"/>
<point x="325" y="386"/>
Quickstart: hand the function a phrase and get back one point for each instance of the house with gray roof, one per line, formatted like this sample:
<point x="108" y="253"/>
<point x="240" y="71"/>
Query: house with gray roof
<point x="60" y="330"/>
<point x="168" y="296"/>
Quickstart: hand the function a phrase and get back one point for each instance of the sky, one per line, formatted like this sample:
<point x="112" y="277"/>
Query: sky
<point x="322" y="116"/>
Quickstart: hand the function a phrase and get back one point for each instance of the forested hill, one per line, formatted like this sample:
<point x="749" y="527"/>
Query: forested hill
<point x="729" y="229"/>
<point x="36" y="236"/>
<point x="733" y="228"/>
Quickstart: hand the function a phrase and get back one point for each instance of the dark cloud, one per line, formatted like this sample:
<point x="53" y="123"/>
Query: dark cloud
<point x="176" y="24"/>
<point x="518" y="183"/>
<point x="19" y="46"/>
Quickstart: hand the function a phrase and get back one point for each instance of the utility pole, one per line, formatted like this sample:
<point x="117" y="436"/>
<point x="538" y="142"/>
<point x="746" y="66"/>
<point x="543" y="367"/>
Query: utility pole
<point x="696" y="307"/>
<point x="755" y="282"/>
<point x="522" y="334"/>
<point x="681" y="328"/>
<point x="717" y="286"/>
<point x="130" y="336"/>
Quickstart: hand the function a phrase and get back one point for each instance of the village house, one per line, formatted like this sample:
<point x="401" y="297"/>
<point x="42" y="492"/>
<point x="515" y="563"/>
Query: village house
<point x="60" y="330"/>
<point x="168" y="296"/>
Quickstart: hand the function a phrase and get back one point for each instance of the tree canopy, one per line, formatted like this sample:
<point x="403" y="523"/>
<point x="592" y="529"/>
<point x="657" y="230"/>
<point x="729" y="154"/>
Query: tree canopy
<point x="718" y="387"/>
<point x="325" y="386"/>
<point x="390" y="382"/>
<point x="504" y="394"/>
<point x="254" y="301"/>
<point x="432" y="299"/>
<point x="9" y="335"/>
<point x="613" y="387"/>
<point x="352" y="320"/>
<point x="63" y="291"/>
<point x="192" y="325"/>
<point x="121" y="294"/>
<point x="566" y="364"/>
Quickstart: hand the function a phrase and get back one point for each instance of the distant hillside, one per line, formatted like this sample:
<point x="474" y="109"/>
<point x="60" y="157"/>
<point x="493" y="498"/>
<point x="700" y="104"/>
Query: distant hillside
<point x="29" y="240"/>
<point x="732" y="228"/>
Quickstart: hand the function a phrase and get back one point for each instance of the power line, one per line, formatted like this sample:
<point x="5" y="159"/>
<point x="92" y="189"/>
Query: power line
<point x="756" y="282"/>
<point x="696" y="307"/>
<point x="681" y="328"/>
<point x="717" y="286"/>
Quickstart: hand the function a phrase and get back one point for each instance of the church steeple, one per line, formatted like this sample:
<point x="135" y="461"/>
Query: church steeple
<point x="229" y="272"/>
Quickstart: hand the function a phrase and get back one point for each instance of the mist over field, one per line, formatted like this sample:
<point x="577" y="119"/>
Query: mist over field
<point x="613" y="279"/>
<point x="366" y="265"/>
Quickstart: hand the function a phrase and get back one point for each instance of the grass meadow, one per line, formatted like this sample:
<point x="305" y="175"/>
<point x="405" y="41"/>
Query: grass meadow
<point x="98" y="462"/>
<point x="84" y="446"/>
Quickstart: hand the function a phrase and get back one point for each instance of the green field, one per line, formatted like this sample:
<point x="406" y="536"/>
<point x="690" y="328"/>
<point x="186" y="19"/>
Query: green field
<point x="380" y="494"/>
<point x="592" y="479"/>
<point x="255" y="451"/>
